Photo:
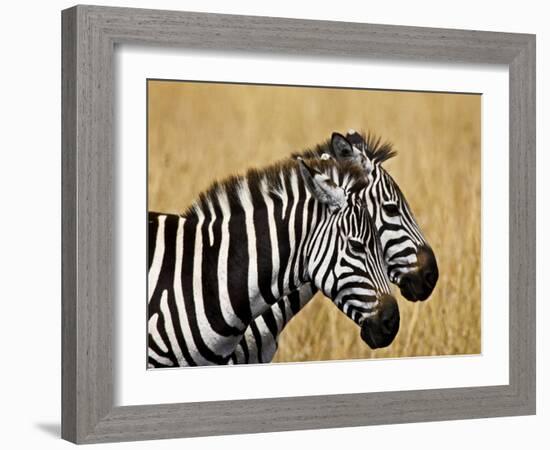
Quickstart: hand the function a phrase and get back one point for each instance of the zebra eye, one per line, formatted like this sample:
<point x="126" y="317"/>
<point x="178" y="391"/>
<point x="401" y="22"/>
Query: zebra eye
<point x="357" y="246"/>
<point x="391" y="209"/>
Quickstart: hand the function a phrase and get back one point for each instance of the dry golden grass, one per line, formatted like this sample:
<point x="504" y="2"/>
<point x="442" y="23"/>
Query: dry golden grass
<point x="202" y="132"/>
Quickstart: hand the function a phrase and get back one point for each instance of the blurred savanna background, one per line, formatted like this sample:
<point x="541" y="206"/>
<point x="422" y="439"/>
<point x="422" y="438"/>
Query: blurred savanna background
<point x="201" y="132"/>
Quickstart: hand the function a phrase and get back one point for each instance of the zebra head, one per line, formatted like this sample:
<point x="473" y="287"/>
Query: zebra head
<point x="410" y="261"/>
<point x="344" y="257"/>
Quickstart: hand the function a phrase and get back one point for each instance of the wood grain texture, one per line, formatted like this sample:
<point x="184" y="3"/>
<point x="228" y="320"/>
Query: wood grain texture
<point x="89" y="36"/>
<point x="68" y="225"/>
<point x="522" y="225"/>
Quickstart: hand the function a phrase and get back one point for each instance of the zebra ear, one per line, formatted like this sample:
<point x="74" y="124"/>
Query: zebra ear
<point x="342" y="148"/>
<point x="322" y="187"/>
<point x="348" y="149"/>
<point x="355" y="138"/>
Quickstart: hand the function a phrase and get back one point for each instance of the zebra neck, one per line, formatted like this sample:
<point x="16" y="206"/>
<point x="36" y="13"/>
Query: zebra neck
<point x="252" y="246"/>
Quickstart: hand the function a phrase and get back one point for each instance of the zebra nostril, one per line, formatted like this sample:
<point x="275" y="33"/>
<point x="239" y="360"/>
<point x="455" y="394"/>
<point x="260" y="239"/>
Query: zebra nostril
<point x="380" y="330"/>
<point x="430" y="278"/>
<point x="429" y="272"/>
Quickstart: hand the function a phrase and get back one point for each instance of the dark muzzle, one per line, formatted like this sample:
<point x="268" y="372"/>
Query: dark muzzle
<point x="419" y="285"/>
<point x="380" y="329"/>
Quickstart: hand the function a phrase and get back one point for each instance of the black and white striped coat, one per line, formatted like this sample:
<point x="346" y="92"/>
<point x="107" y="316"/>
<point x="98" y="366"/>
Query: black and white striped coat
<point x="251" y="240"/>
<point x="410" y="262"/>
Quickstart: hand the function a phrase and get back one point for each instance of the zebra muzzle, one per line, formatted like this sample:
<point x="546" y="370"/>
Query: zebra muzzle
<point x="419" y="284"/>
<point x="379" y="330"/>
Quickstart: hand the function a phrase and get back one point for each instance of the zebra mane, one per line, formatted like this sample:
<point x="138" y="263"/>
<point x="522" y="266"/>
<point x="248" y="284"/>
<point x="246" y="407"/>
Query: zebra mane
<point x="275" y="178"/>
<point x="377" y="151"/>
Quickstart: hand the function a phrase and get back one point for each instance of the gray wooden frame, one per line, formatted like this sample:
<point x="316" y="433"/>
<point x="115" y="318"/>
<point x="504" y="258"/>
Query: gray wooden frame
<point x="89" y="37"/>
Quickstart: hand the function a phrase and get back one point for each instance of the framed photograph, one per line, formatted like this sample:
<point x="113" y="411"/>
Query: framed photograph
<point x="278" y="224"/>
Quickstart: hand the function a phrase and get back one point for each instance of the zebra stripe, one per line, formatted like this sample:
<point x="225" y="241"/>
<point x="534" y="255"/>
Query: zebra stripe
<point x="214" y="269"/>
<point x="400" y="236"/>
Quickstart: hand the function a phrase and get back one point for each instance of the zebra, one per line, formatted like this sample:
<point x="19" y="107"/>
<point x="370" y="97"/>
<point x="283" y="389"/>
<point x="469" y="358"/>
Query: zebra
<point x="250" y="240"/>
<point x="410" y="261"/>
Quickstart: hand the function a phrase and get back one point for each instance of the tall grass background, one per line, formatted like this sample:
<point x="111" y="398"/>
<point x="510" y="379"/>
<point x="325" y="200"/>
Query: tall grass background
<point x="201" y="132"/>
